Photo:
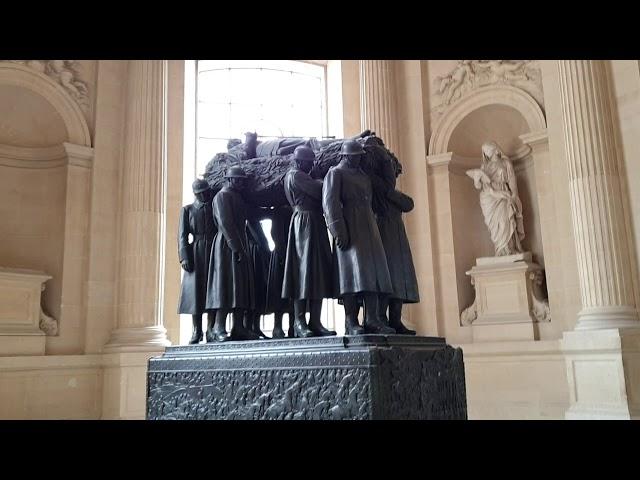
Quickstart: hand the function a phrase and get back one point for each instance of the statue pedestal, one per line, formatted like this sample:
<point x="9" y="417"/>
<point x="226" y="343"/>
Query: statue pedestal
<point x="20" y="312"/>
<point x="326" y="378"/>
<point x="508" y="302"/>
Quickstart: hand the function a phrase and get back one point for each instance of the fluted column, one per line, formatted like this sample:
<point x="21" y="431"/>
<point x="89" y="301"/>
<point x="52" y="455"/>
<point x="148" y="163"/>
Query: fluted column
<point x="605" y="260"/>
<point x="141" y="251"/>
<point x="377" y="101"/>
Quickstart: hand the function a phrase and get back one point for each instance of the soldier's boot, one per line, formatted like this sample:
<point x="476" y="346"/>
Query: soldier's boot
<point x="196" y="336"/>
<point x="315" y="325"/>
<point x="216" y="330"/>
<point x="256" y="327"/>
<point x="395" y="318"/>
<point x="239" y="332"/>
<point x="277" y="326"/>
<point x="290" y="332"/>
<point x="381" y="313"/>
<point x="351" y="324"/>
<point x="300" y="328"/>
<point x="372" y="323"/>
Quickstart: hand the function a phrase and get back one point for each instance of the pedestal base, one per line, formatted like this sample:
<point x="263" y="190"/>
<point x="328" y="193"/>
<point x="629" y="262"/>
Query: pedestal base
<point x="603" y="369"/>
<point x="124" y="389"/>
<point x="20" y="312"/>
<point x="331" y="378"/>
<point x="508" y="300"/>
<point x="22" y="344"/>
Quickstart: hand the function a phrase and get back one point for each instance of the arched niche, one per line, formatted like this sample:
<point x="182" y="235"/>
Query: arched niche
<point x="45" y="172"/>
<point x="501" y="123"/>
<point x="507" y="115"/>
<point x="502" y="95"/>
<point x="23" y="77"/>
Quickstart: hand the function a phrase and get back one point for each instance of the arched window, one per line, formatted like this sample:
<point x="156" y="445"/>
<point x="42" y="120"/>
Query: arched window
<point x="274" y="98"/>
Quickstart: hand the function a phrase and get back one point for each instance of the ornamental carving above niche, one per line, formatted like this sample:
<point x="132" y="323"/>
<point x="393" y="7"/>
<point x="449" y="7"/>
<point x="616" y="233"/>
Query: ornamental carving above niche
<point x="64" y="72"/>
<point x="469" y="75"/>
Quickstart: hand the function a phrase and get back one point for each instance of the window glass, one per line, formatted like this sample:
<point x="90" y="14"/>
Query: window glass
<point x="275" y="98"/>
<point x="271" y="97"/>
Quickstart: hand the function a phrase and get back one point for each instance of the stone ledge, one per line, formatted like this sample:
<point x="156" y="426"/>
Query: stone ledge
<point x="45" y="362"/>
<point x="537" y="348"/>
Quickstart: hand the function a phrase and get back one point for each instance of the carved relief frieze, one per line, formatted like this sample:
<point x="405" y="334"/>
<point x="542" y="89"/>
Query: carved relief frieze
<point x="66" y="73"/>
<point x="469" y="75"/>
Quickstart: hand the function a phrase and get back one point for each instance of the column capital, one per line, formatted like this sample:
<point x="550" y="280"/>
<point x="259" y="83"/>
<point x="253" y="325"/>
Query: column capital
<point x="536" y="140"/>
<point x="79" y="155"/>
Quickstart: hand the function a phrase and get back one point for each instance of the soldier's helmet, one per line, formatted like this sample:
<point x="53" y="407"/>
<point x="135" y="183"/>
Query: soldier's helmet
<point x="200" y="185"/>
<point x="303" y="153"/>
<point x="235" y="172"/>
<point x="351" y="147"/>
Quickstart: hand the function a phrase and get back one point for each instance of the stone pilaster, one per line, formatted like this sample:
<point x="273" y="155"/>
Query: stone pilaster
<point x="601" y="354"/>
<point x="605" y="259"/>
<point x="377" y="101"/>
<point x="142" y="212"/>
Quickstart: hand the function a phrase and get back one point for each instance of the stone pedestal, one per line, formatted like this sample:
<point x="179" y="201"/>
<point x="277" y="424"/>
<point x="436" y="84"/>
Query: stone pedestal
<point x="332" y="378"/>
<point x="20" y="312"/>
<point x="507" y="302"/>
<point x="602" y="369"/>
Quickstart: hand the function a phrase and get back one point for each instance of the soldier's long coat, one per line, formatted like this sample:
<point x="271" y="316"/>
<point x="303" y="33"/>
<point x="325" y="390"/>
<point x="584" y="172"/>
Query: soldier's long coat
<point x="195" y="219"/>
<point x="347" y="199"/>
<point x="308" y="268"/>
<point x="230" y="283"/>
<point x="396" y="246"/>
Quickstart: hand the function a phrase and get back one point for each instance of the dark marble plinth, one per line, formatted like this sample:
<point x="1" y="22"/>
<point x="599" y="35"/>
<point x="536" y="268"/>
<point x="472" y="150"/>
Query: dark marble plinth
<point x="332" y="378"/>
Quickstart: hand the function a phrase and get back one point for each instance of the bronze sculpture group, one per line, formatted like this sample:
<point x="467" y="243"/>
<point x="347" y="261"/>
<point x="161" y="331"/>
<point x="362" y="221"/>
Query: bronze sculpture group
<point x="345" y="188"/>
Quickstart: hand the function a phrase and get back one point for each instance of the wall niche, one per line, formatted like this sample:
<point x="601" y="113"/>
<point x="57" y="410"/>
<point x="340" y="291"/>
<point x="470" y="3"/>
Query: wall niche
<point x="508" y="116"/>
<point x="45" y="171"/>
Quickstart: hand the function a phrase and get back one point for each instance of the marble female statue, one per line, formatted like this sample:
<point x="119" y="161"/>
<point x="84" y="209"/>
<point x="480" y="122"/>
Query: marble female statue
<point x="499" y="199"/>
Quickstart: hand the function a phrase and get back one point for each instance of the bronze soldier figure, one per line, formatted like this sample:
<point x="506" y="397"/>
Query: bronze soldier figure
<point x="196" y="219"/>
<point x="359" y="257"/>
<point x="230" y="286"/>
<point x="259" y="254"/>
<point x="399" y="260"/>
<point x="308" y="268"/>
<point x="280" y="221"/>
<point x="388" y="205"/>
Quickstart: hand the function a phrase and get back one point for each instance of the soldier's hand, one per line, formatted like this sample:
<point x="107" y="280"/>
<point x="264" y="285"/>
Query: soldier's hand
<point x="186" y="264"/>
<point x="342" y="241"/>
